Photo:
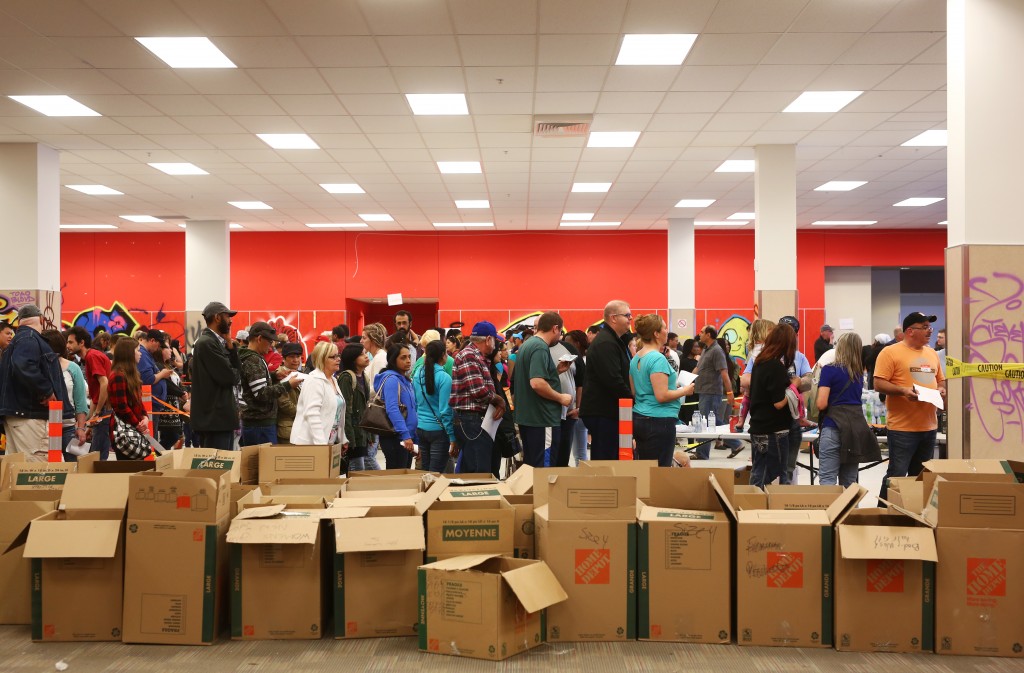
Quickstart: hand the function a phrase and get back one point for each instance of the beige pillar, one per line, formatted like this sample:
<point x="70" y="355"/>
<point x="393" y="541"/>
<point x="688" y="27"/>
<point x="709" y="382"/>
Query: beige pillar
<point x="207" y="271"/>
<point x="682" y="283"/>
<point x="775" y="263"/>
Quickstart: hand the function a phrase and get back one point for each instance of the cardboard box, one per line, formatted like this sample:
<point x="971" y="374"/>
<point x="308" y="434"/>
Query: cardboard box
<point x="15" y="569"/>
<point x="409" y="482"/>
<point x="493" y="491"/>
<point x="521" y="481"/>
<point x="906" y="492"/>
<point x="586" y="533"/>
<point x="784" y="566"/>
<point x="542" y="477"/>
<point x="524" y="539"/>
<point x="640" y="469"/>
<point x="792" y="497"/>
<point x="37" y="481"/>
<point x="684" y="545"/>
<point x="459" y="527"/>
<point x="884" y="565"/>
<point x="242" y="464"/>
<point x="745" y="496"/>
<point x="377" y="553"/>
<point x="77" y="558"/>
<point x="176" y="557"/>
<point x="277" y="583"/>
<point x="298" y="462"/>
<point x="483" y="606"/>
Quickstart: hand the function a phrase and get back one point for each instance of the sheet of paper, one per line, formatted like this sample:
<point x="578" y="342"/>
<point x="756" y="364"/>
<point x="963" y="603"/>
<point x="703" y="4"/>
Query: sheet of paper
<point x="295" y="375"/>
<point x="929" y="395"/>
<point x="685" y="378"/>
<point x="76" y="449"/>
<point x="157" y="447"/>
<point x="846" y="323"/>
<point x="490" y="423"/>
<point x="568" y="357"/>
<point x="395" y="299"/>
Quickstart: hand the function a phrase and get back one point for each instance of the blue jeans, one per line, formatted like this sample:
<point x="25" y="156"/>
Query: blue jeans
<point x="579" y="441"/>
<point x="259" y="434"/>
<point x="655" y="438"/>
<point x="907" y="453"/>
<point x="563" y="449"/>
<point x="830" y="470"/>
<point x="535" y="441"/>
<point x="223" y="440"/>
<point x="796" y="435"/>
<point x="370" y="461"/>
<point x="705" y="406"/>
<point x="769" y="457"/>
<point x="433" y="449"/>
<point x="475" y="445"/>
<point x="101" y="437"/>
<point x="604" y="437"/>
<point x="395" y="454"/>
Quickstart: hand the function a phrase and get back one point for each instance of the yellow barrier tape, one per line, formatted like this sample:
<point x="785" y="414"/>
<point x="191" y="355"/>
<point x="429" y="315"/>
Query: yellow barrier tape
<point x="955" y="369"/>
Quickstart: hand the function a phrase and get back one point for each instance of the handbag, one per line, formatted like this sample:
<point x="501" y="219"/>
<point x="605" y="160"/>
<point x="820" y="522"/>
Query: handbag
<point x="375" y="418"/>
<point x="129" y="442"/>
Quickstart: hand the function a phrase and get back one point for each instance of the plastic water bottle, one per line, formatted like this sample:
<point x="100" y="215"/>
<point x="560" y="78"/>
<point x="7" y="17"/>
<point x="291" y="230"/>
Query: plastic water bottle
<point x="864" y="404"/>
<point x="879" y="410"/>
<point x="869" y="409"/>
<point x="695" y="421"/>
<point x="712" y="427"/>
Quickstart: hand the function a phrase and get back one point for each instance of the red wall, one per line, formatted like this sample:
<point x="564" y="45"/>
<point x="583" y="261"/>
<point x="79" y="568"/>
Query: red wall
<point x="309" y="280"/>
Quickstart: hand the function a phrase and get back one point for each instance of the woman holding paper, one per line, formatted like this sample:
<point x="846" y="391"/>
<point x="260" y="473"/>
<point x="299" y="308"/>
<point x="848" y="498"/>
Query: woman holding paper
<point x="320" y="409"/>
<point x="656" y="397"/>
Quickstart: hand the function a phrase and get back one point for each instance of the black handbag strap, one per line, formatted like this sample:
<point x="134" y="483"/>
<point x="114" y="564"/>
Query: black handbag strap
<point x="430" y="406"/>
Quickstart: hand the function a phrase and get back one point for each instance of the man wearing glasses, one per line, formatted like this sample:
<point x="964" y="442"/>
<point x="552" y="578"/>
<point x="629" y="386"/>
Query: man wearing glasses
<point x="260" y="390"/>
<point x="911" y="423"/>
<point x="607" y="382"/>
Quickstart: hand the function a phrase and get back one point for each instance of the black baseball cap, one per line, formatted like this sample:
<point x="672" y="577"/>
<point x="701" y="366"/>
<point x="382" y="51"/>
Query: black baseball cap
<point x="791" y="321"/>
<point x="216" y="308"/>
<point x="291" y="349"/>
<point x="262" y="329"/>
<point x="917" y="316"/>
<point x="155" y="334"/>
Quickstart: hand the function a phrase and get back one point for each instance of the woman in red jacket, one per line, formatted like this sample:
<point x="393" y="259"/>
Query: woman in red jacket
<point x="125" y="388"/>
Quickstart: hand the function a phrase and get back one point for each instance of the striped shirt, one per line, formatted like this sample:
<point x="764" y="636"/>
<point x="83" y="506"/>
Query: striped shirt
<point x="472" y="385"/>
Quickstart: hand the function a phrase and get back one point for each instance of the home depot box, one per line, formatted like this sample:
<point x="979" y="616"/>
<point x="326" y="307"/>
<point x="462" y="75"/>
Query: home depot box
<point x="377" y="552"/>
<point x="640" y="469"/>
<point x="77" y="560"/>
<point x="459" y="527"/>
<point x="493" y="491"/>
<point x="524" y="540"/>
<point x="794" y="497"/>
<point x="542" y="478"/>
<point x="784" y="568"/>
<point x="297" y="462"/>
<point x="684" y="542"/>
<point x="906" y="492"/>
<point x="586" y="533"/>
<point x="277" y="584"/>
<point x="176" y="556"/>
<point x="484" y="606"/>
<point x="884" y="565"/>
<point x="745" y="496"/>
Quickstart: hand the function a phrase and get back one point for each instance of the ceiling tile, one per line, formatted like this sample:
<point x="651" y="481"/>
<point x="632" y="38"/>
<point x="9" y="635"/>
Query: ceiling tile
<point x="498" y="50"/>
<point x="429" y="80"/>
<point x="320" y="17"/>
<point x="247" y="17"/>
<point x="499" y="79"/>
<point x="754" y="16"/>
<point x="640" y="78"/>
<point x="565" y="103"/>
<point x="851" y="77"/>
<point x="693" y="101"/>
<point x="420" y="50"/>
<point x="290" y="80"/>
<point x="59" y="17"/>
<point x="711" y="77"/>
<point x="888" y="47"/>
<point x="220" y="82"/>
<point x="403" y="18"/>
<point x="582" y="16"/>
<point x="342" y="52"/>
<point x="375" y="104"/>
<point x="926" y="77"/>
<point x="504" y="123"/>
<point x="391" y="124"/>
<point x="263" y="52"/>
<point x="781" y="78"/>
<point x="150" y="81"/>
<point x="500" y="103"/>
<point x="307" y="106"/>
<point x="360" y="80"/>
<point x="731" y="49"/>
<point x="494" y="17"/>
<point x="564" y="49"/>
<point x="246" y="105"/>
<point x="73" y="81"/>
<point x="632" y="102"/>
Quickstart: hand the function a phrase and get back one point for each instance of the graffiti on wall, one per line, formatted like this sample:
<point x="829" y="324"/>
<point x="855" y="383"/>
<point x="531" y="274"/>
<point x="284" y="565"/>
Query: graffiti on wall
<point x="286" y="327"/>
<point x="48" y="302"/>
<point x="115" y="319"/>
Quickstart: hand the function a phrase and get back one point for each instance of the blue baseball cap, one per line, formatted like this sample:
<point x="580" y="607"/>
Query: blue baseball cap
<point x="484" y="329"/>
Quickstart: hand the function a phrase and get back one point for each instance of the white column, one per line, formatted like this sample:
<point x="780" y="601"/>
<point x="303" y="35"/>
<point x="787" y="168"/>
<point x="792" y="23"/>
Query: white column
<point x="207" y="270"/>
<point x="682" y="282"/>
<point x="30" y="207"/>
<point x="775" y="230"/>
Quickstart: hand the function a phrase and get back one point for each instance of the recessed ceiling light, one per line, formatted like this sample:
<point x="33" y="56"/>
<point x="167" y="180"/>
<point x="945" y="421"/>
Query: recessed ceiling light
<point x="343" y="188"/>
<point x="95" y="190"/>
<point x="822" y="101"/>
<point x="186" y="52"/>
<point x="288" y="141"/>
<point x="577" y="217"/>
<point x="613" y="138"/>
<point x="840" y="185"/>
<point x="437" y="103"/>
<point x="140" y="219"/>
<point x="235" y="225"/>
<point x="473" y="203"/>
<point x="250" y="205"/>
<point x="182" y="225"/>
<point x="736" y="166"/>
<point x="664" y="49"/>
<point x="588" y="224"/>
<point x="721" y="223"/>
<point x="179" y="168"/>
<point x="376" y="217"/>
<point x="741" y="216"/>
<point x="459" y="166"/>
<point x="694" y="203"/>
<point x="944" y="223"/>
<point x="338" y="225"/>
<point x="56" y="106"/>
<point x="933" y="138"/>
<point x="918" y="201"/>
<point x="591" y="186"/>
<point x="460" y="225"/>
<point x="87" y="226"/>
<point x="843" y="223"/>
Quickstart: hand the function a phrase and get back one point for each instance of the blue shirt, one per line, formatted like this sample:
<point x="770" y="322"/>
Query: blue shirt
<point x="433" y="410"/>
<point x="800" y="363"/>
<point x="644" y="403"/>
<point x="147" y="372"/>
<point x="835" y="378"/>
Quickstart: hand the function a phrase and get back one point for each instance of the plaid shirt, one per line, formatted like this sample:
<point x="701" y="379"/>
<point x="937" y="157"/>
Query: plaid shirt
<point x="472" y="386"/>
<point x="125" y="405"/>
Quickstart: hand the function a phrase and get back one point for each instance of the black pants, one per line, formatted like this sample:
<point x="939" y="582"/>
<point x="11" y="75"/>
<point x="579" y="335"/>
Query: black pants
<point x="655" y="438"/>
<point x="395" y="454"/>
<point x="604" y="437"/>
<point x="534" y="440"/>
<point x="221" y="439"/>
<point x="564" y="446"/>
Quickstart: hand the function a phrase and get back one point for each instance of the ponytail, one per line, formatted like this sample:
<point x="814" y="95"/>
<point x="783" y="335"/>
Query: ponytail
<point x="434" y="352"/>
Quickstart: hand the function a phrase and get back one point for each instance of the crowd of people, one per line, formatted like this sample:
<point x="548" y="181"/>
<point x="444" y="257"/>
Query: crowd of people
<point x="448" y="402"/>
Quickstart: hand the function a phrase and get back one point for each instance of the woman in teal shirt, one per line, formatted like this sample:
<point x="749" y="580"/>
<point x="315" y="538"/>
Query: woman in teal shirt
<point x="656" y="399"/>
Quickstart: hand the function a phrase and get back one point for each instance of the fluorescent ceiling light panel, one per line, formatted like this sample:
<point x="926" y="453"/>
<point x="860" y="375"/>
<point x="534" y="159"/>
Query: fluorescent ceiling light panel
<point x="186" y="52"/>
<point x="944" y="223"/>
<point x="182" y="225"/>
<point x="721" y="223"/>
<point x="613" y="138"/>
<point x="56" y="106"/>
<point x="376" y="217"/>
<point x="235" y="225"/>
<point x="918" y="201"/>
<point x="140" y="219"/>
<point x="459" y="225"/>
<point x="588" y="224"/>
<point x="288" y="141"/>
<point x="822" y="101"/>
<point x="179" y="168"/>
<point x="87" y="226"/>
<point x="741" y="216"/>
<point x="250" y="205"/>
<point x="736" y="166"/>
<point x="437" y="103"/>
<point x="840" y="185"/>
<point x="655" y="49"/>
<point x="338" y="225"/>
<point x="459" y="166"/>
<point x="95" y="190"/>
<point x="694" y="203"/>
<point x="843" y="223"/>
<point x="473" y="203"/>
<point x="933" y="138"/>
<point x="343" y="188"/>
<point x="577" y="217"/>
<point x="595" y="187"/>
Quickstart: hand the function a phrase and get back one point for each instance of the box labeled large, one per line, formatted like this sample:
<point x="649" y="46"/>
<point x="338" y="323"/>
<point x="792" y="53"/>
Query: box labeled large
<point x="586" y="533"/>
<point x="298" y="462"/>
<point x="242" y="464"/>
<point x="484" y="607"/>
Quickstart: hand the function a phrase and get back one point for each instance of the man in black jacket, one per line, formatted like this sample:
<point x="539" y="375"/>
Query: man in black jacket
<point x="215" y="373"/>
<point x="607" y="382"/>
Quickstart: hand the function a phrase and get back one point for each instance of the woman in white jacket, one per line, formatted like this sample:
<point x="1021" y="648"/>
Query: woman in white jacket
<point x="320" y="410"/>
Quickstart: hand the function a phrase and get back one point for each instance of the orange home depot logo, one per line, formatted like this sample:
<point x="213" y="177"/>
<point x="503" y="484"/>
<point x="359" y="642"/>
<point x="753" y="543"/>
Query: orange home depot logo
<point x="986" y="577"/>
<point x="785" y="570"/>
<point x="593" y="566"/>
<point x="434" y="645"/>
<point x="885" y="576"/>
<point x="352" y="627"/>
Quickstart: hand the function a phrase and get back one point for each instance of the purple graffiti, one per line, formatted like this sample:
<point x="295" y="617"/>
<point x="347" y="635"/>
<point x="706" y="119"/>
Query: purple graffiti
<point x="997" y="335"/>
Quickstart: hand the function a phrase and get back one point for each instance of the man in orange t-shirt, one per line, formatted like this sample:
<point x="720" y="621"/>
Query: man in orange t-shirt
<point x="911" y="423"/>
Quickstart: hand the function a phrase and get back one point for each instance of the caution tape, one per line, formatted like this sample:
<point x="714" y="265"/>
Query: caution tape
<point x="955" y="369"/>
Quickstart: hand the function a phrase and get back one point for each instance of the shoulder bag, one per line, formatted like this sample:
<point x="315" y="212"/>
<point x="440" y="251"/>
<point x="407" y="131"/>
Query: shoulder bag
<point x="128" y="441"/>
<point x="375" y="418"/>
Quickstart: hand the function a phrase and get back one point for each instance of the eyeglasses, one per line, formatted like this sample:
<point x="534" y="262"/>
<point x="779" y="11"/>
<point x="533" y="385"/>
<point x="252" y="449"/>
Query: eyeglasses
<point x="627" y="316"/>
<point x="333" y="357"/>
<point x="924" y="328"/>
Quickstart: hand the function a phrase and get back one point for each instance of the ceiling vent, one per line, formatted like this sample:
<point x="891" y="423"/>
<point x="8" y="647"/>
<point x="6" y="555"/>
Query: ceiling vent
<point x="562" y="126"/>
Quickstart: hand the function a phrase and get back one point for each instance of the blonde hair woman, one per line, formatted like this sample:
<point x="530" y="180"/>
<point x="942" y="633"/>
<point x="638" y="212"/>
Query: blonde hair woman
<point x="320" y="410"/>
